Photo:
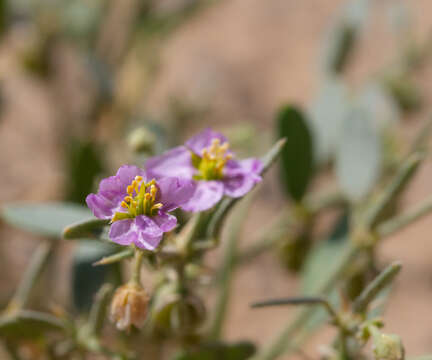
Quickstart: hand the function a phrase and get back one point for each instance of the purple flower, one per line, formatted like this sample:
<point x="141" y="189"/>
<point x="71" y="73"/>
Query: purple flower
<point x="137" y="207"/>
<point x="206" y="158"/>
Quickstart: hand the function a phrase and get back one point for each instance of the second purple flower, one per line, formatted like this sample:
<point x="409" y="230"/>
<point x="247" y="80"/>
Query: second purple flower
<point x="206" y="159"/>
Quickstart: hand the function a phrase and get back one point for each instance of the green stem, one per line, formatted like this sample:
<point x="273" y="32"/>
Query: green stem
<point x="136" y="271"/>
<point x="37" y="264"/>
<point x="121" y="255"/>
<point x="226" y="271"/>
<point x="396" y="186"/>
<point x="287" y="337"/>
<point x="399" y="222"/>
<point x="372" y="290"/>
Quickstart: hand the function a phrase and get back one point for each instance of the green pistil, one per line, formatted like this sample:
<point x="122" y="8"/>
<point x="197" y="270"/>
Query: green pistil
<point x="141" y="200"/>
<point x="212" y="162"/>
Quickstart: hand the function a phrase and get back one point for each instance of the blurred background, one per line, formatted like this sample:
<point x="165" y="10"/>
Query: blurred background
<point x="88" y="85"/>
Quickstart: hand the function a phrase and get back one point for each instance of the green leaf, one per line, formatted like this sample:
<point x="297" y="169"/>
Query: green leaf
<point x="84" y="163"/>
<point x="46" y="219"/>
<point x="28" y="324"/>
<point x="359" y="154"/>
<point x="326" y="115"/>
<point x="216" y="351"/>
<point x="340" y="41"/>
<point x="86" y="278"/>
<point x="323" y="258"/>
<point x="85" y="229"/>
<point x="384" y="110"/>
<point x="297" y="156"/>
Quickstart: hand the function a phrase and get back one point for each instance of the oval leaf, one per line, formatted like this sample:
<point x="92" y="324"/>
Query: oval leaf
<point x="326" y="116"/>
<point x="44" y="219"/>
<point x="297" y="155"/>
<point x="27" y="324"/>
<point x="359" y="154"/>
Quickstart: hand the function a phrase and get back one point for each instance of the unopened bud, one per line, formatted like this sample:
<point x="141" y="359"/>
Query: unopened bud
<point x="129" y="306"/>
<point x="388" y="347"/>
<point x="141" y="140"/>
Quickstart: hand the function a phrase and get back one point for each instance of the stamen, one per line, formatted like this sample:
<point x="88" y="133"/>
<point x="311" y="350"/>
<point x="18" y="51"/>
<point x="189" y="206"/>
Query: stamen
<point x="143" y="203"/>
<point x="213" y="160"/>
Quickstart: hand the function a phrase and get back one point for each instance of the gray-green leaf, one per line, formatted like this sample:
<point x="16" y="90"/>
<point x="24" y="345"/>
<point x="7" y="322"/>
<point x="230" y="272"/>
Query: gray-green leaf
<point x="27" y="324"/>
<point x="359" y="154"/>
<point x="46" y="219"/>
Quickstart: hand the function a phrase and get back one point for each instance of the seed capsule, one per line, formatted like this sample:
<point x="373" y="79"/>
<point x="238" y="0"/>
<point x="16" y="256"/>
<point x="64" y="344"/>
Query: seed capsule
<point x="129" y="306"/>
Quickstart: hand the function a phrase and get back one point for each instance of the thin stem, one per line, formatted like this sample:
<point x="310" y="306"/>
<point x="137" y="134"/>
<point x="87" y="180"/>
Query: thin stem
<point x="37" y="264"/>
<point x="226" y="271"/>
<point x="396" y="186"/>
<point x="287" y="337"/>
<point x="378" y="284"/>
<point x="121" y="255"/>
<point x="399" y="222"/>
<point x="306" y="300"/>
<point x="136" y="271"/>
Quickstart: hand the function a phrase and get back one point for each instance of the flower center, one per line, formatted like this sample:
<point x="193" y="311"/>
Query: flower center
<point x="212" y="162"/>
<point x="141" y="200"/>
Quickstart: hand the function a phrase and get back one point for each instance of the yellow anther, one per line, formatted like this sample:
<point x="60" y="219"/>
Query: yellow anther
<point x="157" y="206"/>
<point x="215" y="142"/>
<point x="130" y="189"/>
<point x="224" y="147"/>
<point x="153" y="191"/>
<point x="138" y="178"/>
<point x="128" y="199"/>
<point x="124" y="205"/>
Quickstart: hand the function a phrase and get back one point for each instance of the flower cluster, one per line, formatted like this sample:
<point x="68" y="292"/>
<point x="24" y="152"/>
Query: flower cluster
<point x="194" y="176"/>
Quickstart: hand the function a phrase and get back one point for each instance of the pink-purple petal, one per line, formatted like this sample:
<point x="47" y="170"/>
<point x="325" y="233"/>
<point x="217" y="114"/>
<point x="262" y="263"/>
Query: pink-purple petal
<point x="123" y="232"/>
<point x="174" y="192"/>
<point x="241" y="177"/>
<point x="112" y="191"/>
<point x="149" y="233"/>
<point x="166" y="222"/>
<point x="101" y="207"/>
<point x="207" y="195"/>
<point x="203" y="140"/>
<point x="175" y="163"/>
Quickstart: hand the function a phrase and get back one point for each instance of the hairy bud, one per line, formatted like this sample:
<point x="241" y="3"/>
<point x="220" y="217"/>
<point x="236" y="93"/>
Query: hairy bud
<point x="141" y="140"/>
<point x="388" y="347"/>
<point x="129" y="306"/>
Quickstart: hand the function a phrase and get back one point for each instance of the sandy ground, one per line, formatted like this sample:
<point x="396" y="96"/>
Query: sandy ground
<point x="244" y="58"/>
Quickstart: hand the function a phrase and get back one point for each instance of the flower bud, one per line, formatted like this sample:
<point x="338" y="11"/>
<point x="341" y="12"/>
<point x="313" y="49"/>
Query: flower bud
<point x="388" y="347"/>
<point x="141" y="140"/>
<point x="129" y="306"/>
